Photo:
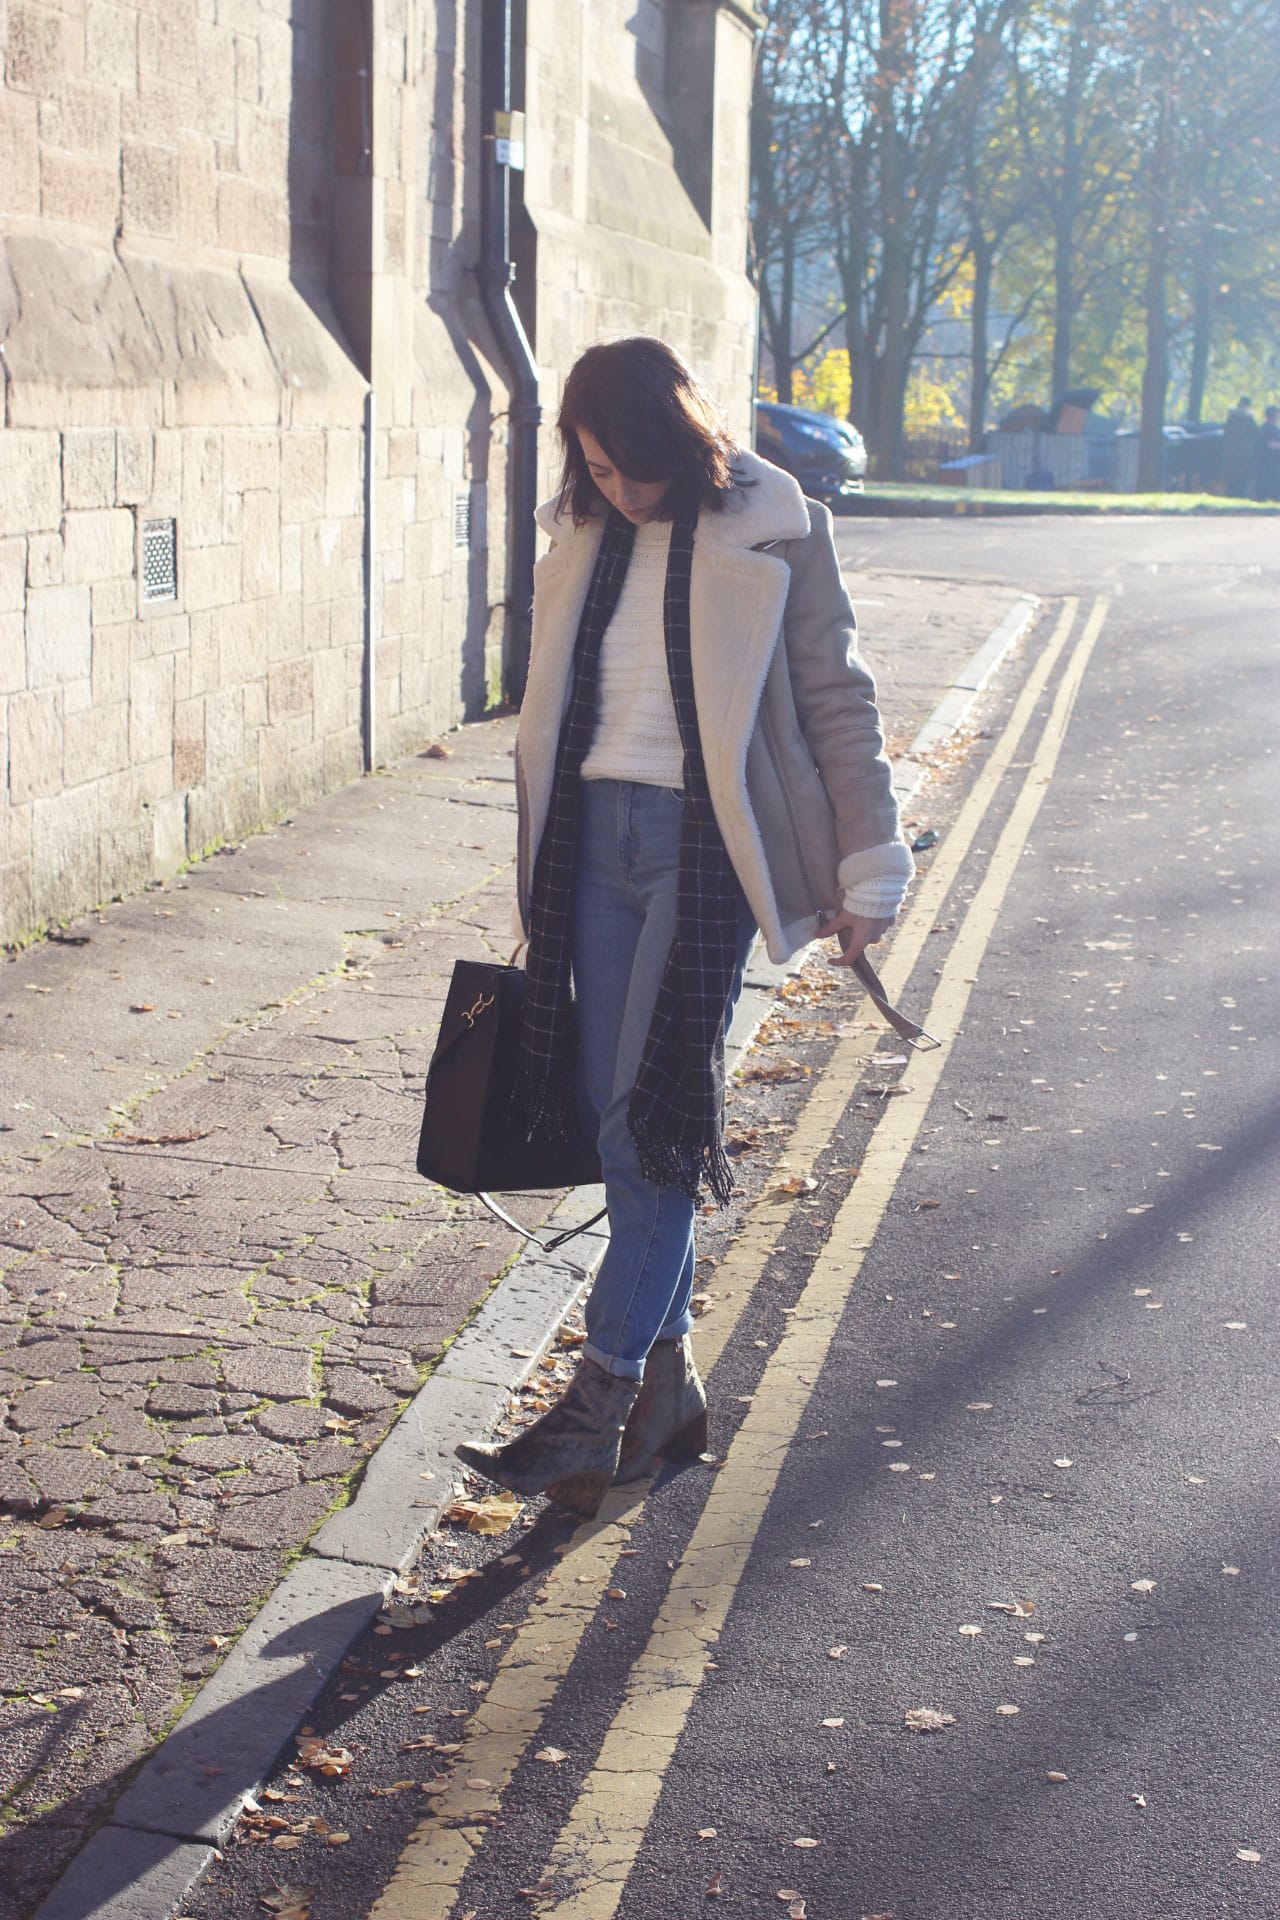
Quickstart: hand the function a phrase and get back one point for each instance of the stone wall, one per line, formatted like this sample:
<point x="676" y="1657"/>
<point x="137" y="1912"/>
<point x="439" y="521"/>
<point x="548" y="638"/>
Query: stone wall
<point x="233" y="274"/>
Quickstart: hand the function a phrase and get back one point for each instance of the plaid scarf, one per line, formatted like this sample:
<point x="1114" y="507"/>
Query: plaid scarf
<point x="676" y="1112"/>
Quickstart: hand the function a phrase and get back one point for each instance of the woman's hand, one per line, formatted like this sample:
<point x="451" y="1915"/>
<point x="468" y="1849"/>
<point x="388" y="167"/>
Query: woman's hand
<point x="854" y="932"/>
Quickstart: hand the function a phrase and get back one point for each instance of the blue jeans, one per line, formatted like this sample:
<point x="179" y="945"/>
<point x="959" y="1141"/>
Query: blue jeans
<point x="624" y="920"/>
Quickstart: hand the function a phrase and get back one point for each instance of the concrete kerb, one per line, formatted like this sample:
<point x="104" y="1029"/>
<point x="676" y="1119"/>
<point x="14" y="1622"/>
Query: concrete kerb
<point x="957" y="702"/>
<point x="160" y="1837"/>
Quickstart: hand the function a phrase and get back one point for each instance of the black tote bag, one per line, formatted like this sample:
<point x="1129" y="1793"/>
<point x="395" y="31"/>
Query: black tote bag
<point x="470" y="1140"/>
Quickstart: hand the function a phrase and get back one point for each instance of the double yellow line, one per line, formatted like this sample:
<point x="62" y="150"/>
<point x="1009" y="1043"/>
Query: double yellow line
<point x="597" y="1847"/>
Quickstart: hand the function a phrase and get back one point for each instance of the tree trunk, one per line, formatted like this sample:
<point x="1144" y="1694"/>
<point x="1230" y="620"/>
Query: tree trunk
<point x="1155" y="373"/>
<point x="1063" y="308"/>
<point x="1201" y="334"/>
<point x="980" y="380"/>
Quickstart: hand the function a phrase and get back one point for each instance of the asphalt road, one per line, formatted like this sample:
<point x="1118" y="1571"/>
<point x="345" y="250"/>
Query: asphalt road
<point x="996" y="1431"/>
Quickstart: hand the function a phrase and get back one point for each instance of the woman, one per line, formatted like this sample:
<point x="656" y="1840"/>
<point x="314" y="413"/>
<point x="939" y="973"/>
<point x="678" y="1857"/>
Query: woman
<point x="699" y="755"/>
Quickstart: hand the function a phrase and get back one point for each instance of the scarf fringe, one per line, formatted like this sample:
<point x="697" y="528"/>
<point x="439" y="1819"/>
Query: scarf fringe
<point x="544" y="1106"/>
<point x="688" y="1165"/>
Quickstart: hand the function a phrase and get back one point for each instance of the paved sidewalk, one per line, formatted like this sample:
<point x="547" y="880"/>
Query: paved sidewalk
<point x="221" y="1278"/>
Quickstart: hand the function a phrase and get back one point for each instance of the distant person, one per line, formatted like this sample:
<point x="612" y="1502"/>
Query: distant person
<point x="1269" y="455"/>
<point x="1240" y="442"/>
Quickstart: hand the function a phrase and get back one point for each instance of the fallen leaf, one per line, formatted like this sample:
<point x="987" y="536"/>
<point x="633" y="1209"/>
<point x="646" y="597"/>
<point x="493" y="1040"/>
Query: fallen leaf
<point x="805" y="1842"/>
<point x="713" y="1887"/>
<point x="798" y="1183"/>
<point x="552" y="1755"/>
<point x="706" y="1833"/>
<point x="836" y="1653"/>
<point x="1228" y="1570"/>
<point x="1250" y="1854"/>
<point x="800" y="1563"/>
<point x="837" y="1721"/>
<point x="797" y="1910"/>
<point x="927" y="1719"/>
<point x="1007" y="1710"/>
<point x="1064" y="1463"/>
<point x="1143" y="1586"/>
<point x="338" y="1838"/>
<point x="494" y="1514"/>
<point x="284" y="1896"/>
<point x="969" y="1632"/>
<point x="1057" y="1778"/>
<point x="1138" y="1799"/>
<point x="286" y="1842"/>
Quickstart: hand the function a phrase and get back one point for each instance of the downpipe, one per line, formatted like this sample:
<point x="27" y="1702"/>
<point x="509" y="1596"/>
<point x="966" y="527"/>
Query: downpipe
<point x="496" y="272"/>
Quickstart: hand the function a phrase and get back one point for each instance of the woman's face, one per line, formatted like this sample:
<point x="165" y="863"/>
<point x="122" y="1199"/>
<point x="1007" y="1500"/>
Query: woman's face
<point x="639" y="500"/>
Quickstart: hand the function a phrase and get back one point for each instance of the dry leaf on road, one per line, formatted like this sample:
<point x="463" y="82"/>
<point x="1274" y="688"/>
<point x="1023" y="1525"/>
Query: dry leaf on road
<point x="927" y="1719"/>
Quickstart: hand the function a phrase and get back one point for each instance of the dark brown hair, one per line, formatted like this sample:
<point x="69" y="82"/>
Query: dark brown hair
<point x="654" y="421"/>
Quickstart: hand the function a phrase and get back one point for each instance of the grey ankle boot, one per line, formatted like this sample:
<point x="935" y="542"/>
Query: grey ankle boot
<point x="571" y="1453"/>
<point x="669" y="1418"/>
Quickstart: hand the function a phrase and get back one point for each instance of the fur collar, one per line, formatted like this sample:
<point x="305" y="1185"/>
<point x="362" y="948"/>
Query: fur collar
<point x="770" y="507"/>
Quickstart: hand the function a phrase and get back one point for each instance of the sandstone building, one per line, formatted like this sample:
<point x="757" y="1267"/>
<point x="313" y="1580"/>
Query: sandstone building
<point x="255" y="510"/>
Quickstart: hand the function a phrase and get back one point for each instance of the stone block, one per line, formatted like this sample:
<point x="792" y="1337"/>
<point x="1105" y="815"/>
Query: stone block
<point x="45" y="555"/>
<point x="111" y="652"/>
<point x="151" y="709"/>
<point x="302" y="475"/>
<point x="13" y="657"/>
<point x="250" y="460"/>
<point x="150" y="187"/>
<point x="155" y="112"/>
<point x="168" y="833"/>
<point x="344" y="473"/>
<point x="77" y="188"/>
<point x="215" y="56"/>
<point x="210" y="577"/>
<point x="99" y="545"/>
<point x="82" y="118"/>
<point x="39" y="48"/>
<point x="201" y="516"/>
<point x="13" y="575"/>
<point x="260" y="566"/>
<point x="282" y="631"/>
<point x="30" y="482"/>
<point x="255" y="705"/>
<point x="35" y="746"/>
<point x="252" y="218"/>
<point x="197" y="190"/>
<point x="96" y="742"/>
<point x="111" y="44"/>
<point x="166" y="43"/>
<point x="59" y="635"/>
<point x="201" y="666"/>
<point x="19" y="160"/>
<point x="88" y="468"/>
<point x="66" y="832"/>
<point x="224" y="733"/>
<point x="291" y="559"/>
<point x="288" y="689"/>
<point x="135" y="466"/>
<point x="160" y="633"/>
<point x="114" y="601"/>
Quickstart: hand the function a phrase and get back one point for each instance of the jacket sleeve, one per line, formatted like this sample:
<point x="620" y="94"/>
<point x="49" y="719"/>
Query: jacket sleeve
<point x="835" y="699"/>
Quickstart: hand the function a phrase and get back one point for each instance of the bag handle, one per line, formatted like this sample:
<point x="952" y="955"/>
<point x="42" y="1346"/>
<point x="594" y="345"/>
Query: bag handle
<point x="547" y="1246"/>
<point x="903" y="1025"/>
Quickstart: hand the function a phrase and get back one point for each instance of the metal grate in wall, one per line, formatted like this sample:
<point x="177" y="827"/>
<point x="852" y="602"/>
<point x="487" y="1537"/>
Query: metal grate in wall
<point x="462" y="519"/>
<point x="159" y="559"/>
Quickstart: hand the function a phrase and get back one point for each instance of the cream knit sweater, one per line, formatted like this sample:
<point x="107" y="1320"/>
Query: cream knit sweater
<point x="636" y="737"/>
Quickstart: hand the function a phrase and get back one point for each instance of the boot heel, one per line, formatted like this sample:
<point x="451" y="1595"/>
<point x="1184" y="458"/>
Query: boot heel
<point x="580" y="1493"/>
<point x="689" y="1442"/>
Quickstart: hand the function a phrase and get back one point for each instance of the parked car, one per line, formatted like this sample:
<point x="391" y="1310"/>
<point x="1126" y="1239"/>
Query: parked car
<point x="826" y="456"/>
